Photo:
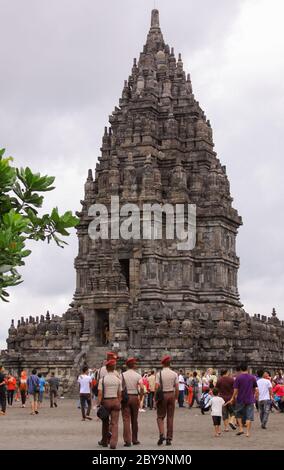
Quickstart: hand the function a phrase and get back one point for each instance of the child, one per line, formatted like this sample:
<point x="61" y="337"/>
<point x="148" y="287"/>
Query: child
<point x="204" y="400"/>
<point x="216" y="404"/>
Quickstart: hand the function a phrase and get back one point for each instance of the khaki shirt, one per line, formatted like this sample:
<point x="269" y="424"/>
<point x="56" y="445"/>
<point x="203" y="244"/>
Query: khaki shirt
<point x="152" y="382"/>
<point x="102" y="372"/>
<point x="132" y="380"/>
<point x="169" y="379"/>
<point x="112" y="385"/>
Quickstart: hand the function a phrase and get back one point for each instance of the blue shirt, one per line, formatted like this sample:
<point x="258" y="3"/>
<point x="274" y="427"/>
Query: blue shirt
<point x="32" y="382"/>
<point x="41" y="384"/>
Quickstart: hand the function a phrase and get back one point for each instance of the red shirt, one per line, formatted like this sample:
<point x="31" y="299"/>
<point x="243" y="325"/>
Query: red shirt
<point x="11" y="383"/>
<point x="279" y="390"/>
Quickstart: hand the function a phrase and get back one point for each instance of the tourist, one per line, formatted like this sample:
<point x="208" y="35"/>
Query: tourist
<point x="23" y="388"/>
<point x="245" y="394"/>
<point x="225" y="386"/>
<point x="33" y="390"/>
<point x="167" y="391"/>
<point x="53" y="383"/>
<point x="85" y="384"/>
<point x="110" y="397"/>
<point x="41" y="388"/>
<point x="195" y="389"/>
<point x="152" y="382"/>
<point x="278" y="391"/>
<point x="2" y="391"/>
<point x="279" y="379"/>
<point x="216" y="403"/>
<point x="132" y="389"/>
<point x="265" y="396"/>
<point x="11" y="385"/>
<point x="144" y="397"/>
<point x="181" y="388"/>
<point x="204" y="400"/>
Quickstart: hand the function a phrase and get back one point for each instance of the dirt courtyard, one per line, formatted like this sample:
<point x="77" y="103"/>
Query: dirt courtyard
<point x="62" y="428"/>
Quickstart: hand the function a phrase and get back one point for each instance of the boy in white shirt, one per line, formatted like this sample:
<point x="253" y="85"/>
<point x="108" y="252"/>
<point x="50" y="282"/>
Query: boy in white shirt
<point x="216" y="404"/>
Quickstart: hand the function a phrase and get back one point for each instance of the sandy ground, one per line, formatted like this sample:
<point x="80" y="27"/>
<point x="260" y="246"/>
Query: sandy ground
<point x="62" y="428"/>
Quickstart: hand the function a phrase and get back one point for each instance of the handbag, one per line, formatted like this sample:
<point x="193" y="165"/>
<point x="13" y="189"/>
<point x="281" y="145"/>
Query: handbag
<point x="102" y="412"/>
<point x="124" y="393"/>
<point x="159" y="392"/>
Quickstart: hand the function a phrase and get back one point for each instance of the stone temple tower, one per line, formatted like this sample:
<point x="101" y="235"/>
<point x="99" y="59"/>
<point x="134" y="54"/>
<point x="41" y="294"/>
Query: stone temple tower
<point x="146" y="297"/>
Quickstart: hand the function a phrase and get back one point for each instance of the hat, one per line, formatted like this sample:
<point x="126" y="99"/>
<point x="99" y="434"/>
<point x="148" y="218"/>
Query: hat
<point x="111" y="355"/>
<point x="131" y="360"/>
<point x="166" y="359"/>
<point x="111" y="362"/>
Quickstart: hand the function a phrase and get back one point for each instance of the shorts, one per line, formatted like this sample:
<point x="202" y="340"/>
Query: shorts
<point x="246" y="412"/>
<point x="227" y="411"/>
<point x="216" y="420"/>
<point x="34" y="396"/>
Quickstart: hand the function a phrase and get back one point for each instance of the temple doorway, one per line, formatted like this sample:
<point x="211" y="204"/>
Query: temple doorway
<point x="102" y="327"/>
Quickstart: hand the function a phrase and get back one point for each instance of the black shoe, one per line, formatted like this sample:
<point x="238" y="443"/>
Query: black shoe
<point x="55" y="404"/>
<point x="263" y="426"/>
<point x="136" y="443"/>
<point x="232" y="426"/>
<point x="127" y="444"/>
<point x="101" y="444"/>
<point x="168" y="442"/>
<point x="36" y="412"/>
<point x="51" y="406"/>
<point x="161" y="440"/>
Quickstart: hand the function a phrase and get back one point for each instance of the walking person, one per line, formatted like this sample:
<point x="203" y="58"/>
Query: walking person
<point x="167" y="391"/>
<point x="245" y="394"/>
<point x="53" y="383"/>
<point x="216" y="403"/>
<point x="110" y="397"/>
<point x="265" y="398"/>
<point x="152" y="383"/>
<point x="41" y="388"/>
<point x="225" y="386"/>
<point x="85" y="384"/>
<point x="194" y="383"/>
<point x="132" y="390"/>
<point x="2" y="391"/>
<point x="33" y="390"/>
<point x="181" y="388"/>
<point x="11" y="385"/>
<point x="23" y="387"/>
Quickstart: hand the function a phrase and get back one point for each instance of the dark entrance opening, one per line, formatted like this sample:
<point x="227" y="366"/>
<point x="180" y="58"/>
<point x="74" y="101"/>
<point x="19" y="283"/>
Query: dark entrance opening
<point x="102" y="327"/>
<point x="124" y="265"/>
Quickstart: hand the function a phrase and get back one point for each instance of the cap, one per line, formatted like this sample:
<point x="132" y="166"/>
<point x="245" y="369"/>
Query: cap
<point x="166" y="359"/>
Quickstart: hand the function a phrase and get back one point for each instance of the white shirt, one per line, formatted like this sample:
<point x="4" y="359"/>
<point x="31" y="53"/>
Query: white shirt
<point x="181" y="385"/>
<point x="216" y="404"/>
<point x="263" y="387"/>
<point x="84" y="381"/>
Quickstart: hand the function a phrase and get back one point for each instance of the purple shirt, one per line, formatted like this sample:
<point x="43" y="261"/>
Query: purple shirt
<point x="246" y="384"/>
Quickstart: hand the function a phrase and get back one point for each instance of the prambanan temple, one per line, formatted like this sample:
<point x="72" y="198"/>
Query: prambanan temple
<point x="145" y="298"/>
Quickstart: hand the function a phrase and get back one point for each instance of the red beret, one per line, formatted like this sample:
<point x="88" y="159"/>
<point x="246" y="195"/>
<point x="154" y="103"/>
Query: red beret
<point x="166" y="359"/>
<point x="131" y="360"/>
<point x="111" y="362"/>
<point x="111" y="355"/>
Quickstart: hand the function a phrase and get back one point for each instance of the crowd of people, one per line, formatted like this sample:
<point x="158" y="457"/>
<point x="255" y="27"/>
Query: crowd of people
<point x="231" y="397"/>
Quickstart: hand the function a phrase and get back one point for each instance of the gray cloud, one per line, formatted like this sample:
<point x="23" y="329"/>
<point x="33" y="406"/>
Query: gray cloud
<point x="63" y="63"/>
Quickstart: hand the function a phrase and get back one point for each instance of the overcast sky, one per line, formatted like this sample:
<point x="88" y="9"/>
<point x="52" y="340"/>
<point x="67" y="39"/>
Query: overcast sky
<point x="63" y="63"/>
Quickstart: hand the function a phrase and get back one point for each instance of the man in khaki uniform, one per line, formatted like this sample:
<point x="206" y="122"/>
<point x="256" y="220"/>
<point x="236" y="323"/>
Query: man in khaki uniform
<point x="166" y="379"/>
<point x="110" y="396"/>
<point x="131" y="383"/>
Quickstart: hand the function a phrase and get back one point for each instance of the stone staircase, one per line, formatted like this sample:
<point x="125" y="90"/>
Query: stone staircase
<point x="96" y="356"/>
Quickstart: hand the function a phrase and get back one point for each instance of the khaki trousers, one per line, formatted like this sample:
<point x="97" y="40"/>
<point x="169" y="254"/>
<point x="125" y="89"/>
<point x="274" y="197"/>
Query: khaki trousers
<point x="166" y="408"/>
<point x="130" y="419"/>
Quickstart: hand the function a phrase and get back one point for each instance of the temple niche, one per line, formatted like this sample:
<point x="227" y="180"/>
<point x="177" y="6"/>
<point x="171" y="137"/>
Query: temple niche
<point x="145" y="297"/>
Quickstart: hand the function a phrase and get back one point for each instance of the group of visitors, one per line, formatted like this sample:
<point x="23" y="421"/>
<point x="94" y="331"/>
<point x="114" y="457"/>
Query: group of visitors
<point x="230" y="396"/>
<point x="25" y="387"/>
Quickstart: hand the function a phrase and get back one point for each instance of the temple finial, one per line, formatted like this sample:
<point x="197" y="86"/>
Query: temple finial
<point x="155" y="19"/>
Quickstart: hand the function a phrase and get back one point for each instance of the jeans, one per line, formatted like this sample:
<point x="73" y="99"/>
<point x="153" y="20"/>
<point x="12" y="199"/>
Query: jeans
<point x="10" y="396"/>
<point x="181" y="398"/>
<point x="85" y="398"/>
<point x="3" y="399"/>
<point x="151" y="400"/>
<point x="264" y="409"/>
